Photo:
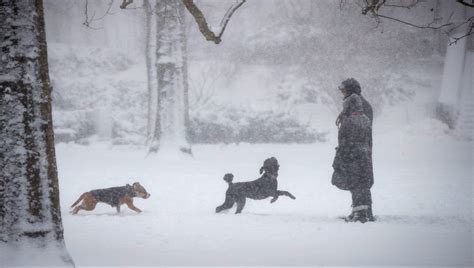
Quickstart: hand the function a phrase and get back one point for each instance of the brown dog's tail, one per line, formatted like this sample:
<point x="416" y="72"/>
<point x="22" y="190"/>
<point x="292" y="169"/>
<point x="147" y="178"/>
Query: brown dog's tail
<point x="228" y="178"/>
<point x="79" y="200"/>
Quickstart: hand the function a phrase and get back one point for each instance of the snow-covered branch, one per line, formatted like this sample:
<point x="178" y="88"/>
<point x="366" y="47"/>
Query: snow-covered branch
<point x="88" y="21"/>
<point x="427" y="26"/>
<point x="468" y="32"/>
<point x="373" y="8"/>
<point x="204" y="26"/>
<point x="125" y="3"/>
<point x="210" y="35"/>
<point x="464" y="2"/>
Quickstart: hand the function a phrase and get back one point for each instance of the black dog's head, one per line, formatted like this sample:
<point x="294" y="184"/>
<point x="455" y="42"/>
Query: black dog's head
<point x="228" y="177"/>
<point x="271" y="166"/>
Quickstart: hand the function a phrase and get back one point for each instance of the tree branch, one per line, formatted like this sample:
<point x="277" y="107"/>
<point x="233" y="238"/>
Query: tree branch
<point x="197" y="14"/>
<point x="468" y="21"/>
<point x="455" y="39"/>
<point x="87" y="22"/>
<point x="372" y="7"/>
<point x="125" y="3"/>
<point x="414" y="3"/>
<point x="228" y="15"/>
<point x="414" y="25"/>
<point x="462" y="2"/>
<point x="204" y="26"/>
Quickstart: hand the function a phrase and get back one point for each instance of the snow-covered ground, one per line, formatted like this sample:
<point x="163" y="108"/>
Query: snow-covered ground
<point x="423" y="198"/>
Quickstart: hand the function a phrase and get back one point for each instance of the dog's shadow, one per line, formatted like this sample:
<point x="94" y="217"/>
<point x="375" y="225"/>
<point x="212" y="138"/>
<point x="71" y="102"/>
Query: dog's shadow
<point x="427" y="220"/>
<point x="259" y="214"/>
<point x="110" y="214"/>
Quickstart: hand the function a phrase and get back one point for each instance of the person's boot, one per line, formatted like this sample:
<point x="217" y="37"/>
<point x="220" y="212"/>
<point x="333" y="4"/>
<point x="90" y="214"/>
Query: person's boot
<point x="370" y="215"/>
<point x="349" y="217"/>
<point x="359" y="214"/>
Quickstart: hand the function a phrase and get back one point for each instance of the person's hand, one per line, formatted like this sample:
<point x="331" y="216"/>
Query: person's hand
<point x="338" y="121"/>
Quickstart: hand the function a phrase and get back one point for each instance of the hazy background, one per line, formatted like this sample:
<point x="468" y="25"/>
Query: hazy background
<point x="273" y="79"/>
<point x="277" y="69"/>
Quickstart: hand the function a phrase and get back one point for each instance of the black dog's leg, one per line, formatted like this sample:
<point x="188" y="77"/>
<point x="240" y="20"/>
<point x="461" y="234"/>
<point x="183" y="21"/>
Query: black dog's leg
<point x="275" y="197"/>
<point x="286" y="193"/>
<point x="228" y="203"/>
<point x="240" y="205"/>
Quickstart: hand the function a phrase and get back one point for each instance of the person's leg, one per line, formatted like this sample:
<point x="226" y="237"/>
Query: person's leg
<point x="356" y="202"/>
<point x="361" y="203"/>
<point x="370" y="215"/>
<point x="350" y="217"/>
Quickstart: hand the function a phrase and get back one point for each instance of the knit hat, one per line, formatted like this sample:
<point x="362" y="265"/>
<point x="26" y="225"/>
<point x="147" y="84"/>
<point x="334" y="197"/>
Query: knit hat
<point x="351" y="85"/>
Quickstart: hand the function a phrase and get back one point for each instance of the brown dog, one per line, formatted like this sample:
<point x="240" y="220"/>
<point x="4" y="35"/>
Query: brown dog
<point x="114" y="196"/>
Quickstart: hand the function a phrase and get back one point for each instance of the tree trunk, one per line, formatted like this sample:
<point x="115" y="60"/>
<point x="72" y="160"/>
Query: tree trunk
<point x="172" y="111"/>
<point x="153" y="101"/>
<point x="29" y="191"/>
<point x="447" y="107"/>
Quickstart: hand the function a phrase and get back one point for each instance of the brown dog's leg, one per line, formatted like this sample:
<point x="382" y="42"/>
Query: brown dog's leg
<point x="79" y="199"/>
<point x="129" y="202"/>
<point x="76" y="209"/>
<point x="81" y="206"/>
<point x="88" y="203"/>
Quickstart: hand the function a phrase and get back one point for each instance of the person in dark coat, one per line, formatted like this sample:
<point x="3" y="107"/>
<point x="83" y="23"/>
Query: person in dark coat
<point x="353" y="161"/>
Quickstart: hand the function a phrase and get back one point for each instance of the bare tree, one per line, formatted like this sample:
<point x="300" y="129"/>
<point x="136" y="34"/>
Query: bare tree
<point x="375" y="8"/>
<point x="166" y="52"/>
<point x="457" y="24"/>
<point x="166" y="60"/>
<point x="168" y="74"/>
<point x="204" y="86"/>
<point x="152" y="80"/>
<point x="29" y="190"/>
<point x="204" y="26"/>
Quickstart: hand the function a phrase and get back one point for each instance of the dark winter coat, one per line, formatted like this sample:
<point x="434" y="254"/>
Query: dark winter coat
<point x="353" y="161"/>
<point x="367" y="109"/>
<point x="112" y="195"/>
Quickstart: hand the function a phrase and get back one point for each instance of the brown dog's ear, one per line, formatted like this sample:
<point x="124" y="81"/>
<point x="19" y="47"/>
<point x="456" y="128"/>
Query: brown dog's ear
<point x="261" y="170"/>
<point x="135" y="184"/>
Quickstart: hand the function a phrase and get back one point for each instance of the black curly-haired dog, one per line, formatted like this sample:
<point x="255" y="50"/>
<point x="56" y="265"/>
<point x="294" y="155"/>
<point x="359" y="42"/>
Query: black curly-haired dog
<point x="265" y="186"/>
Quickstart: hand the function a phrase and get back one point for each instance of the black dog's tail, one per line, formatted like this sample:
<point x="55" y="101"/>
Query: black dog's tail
<point x="228" y="178"/>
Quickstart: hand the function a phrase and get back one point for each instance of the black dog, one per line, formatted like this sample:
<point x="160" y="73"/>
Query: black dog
<point x="261" y="188"/>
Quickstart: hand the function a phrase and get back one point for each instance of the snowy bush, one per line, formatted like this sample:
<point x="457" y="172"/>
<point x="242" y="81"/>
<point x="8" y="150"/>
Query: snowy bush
<point x="297" y="88"/>
<point x="73" y="125"/>
<point x="97" y="92"/>
<point x="242" y="125"/>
